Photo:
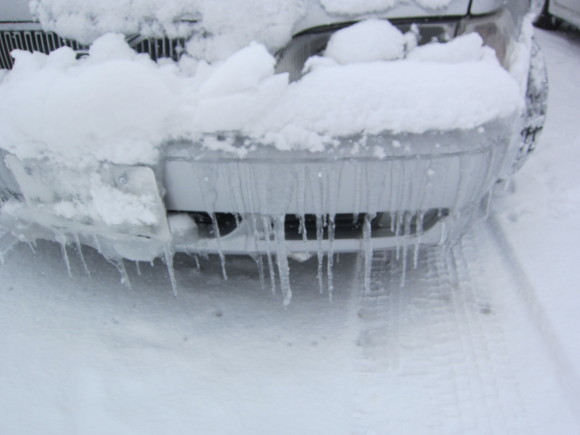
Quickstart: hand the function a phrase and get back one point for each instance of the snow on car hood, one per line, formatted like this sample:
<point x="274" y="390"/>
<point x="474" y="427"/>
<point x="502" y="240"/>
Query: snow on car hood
<point x="119" y="106"/>
<point x="219" y="28"/>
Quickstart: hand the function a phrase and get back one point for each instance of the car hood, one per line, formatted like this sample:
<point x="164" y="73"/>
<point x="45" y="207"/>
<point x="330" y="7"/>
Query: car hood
<point x="215" y="29"/>
<point x="316" y="11"/>
<point x="334" y="11"/>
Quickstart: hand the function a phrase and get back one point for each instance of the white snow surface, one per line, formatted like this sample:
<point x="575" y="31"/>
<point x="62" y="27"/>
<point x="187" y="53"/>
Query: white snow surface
<point x="367" y="41"/>
<point x="118" y="106"/>
<point x="458" y="50"/>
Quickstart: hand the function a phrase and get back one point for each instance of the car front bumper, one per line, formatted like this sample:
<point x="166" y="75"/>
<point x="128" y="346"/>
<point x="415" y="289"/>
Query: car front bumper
<point x="403" y="189"/>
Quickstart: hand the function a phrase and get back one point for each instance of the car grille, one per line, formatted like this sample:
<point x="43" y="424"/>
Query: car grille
<point x="31" y="40"/>
<point x="45" y="42"/>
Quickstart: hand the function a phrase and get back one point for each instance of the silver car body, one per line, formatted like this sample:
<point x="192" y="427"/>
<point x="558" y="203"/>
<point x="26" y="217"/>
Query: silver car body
<point x="316" y="202"/>
<point x="568" y="10"/>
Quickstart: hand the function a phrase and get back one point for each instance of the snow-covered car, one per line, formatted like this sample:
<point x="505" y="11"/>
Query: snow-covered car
<point x="553" y="12"/>
<point x="260" y="127"/>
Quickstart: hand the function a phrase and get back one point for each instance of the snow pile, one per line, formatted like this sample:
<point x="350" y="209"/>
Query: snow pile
<point x="439" y="86"/>
<point x="407" y="96"/>
<point x="120" y="107"/>
<point x="348" y="7"/>
<point x="112" y="106"/>
<point x="232" y="95"/>
<point x="219" y="28"/>
<point x="371" y="40"/>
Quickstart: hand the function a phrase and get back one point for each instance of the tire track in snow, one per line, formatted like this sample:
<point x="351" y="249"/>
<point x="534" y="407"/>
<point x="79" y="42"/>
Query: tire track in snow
<point x="433" y="355"/>
<point x="566" y="375"/>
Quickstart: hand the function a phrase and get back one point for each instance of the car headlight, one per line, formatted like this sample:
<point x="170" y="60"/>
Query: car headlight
<point x="496" y="21"/>
<point x="304" y="45"/>
<point x="480" y="7"/>
<point x="312" y="42"/>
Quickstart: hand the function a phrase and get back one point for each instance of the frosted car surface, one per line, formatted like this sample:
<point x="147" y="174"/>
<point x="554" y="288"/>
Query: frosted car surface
<point x="275" y="128"/>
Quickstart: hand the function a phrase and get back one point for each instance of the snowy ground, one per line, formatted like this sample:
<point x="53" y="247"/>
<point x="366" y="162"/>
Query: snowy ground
<point x="481" y="339"/>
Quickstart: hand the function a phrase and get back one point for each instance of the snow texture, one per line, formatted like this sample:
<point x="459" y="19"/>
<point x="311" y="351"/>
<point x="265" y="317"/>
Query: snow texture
<point x="367" y="41"/>
<point x="111" y="106"/>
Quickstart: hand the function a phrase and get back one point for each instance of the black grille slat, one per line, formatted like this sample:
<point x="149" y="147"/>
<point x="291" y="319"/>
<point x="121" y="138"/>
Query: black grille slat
<point x="45" y="42"/>
<point x="52" y="42"/>
<point x="35" y="40"/>
<point x="28" y="41"/>
<point x="4" y="52"/>
<point x="40" y="42"/>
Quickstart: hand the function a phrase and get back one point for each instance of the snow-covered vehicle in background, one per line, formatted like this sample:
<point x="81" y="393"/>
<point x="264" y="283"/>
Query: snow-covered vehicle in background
<point x="553" y="12"/>
<point x="260" y="127"/>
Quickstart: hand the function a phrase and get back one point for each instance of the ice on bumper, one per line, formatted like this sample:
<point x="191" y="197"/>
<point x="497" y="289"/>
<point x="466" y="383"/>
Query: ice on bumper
<point x="95" y="143"/>
<point x="116" y="209"/>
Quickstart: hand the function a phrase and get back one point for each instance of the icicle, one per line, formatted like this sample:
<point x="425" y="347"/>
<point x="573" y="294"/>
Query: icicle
<point x="301" y="201"/>
<point x="260" y="264"/>
<point x="399" y="216"/>
<point x="460" y="185"/>
<point x="196" y="258"/>
<point x="320" y="252"/>
<point x="171" y="270"/>
<point x="138" y="268"/>
<point x="120" y="265"/>
<point x="282" y="259"/>
<point x="406" y="233"/>
<point x="443" y="233"/>
<point x="392" y="217"/>
<point x="32" y="246"/>
<point x="267" y="234"/>
<point x="330" y="256"/>
<point x="216" y="232"/>
<point x="302" y="228"/>
<point x="418" y="235"/>
<point x="80" y="251"/>
<point x="61" y="239"/>
<point x="253" y="222"/>
<point x="357" y="192"/>
<point x="97" y="243"/>
<point x="368" y="253"/>
<point x="400" y="207"/>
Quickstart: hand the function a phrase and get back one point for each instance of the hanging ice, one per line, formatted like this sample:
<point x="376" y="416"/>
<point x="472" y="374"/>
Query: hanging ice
<point x="249" y="163"/>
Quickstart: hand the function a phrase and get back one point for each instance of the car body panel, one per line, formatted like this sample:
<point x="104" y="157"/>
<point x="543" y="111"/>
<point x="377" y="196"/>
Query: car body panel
<point x="392" y="181"/>
<point x="15" y="10"/>
<point x="568" y="10"/>
<point x="316" y="15"/>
